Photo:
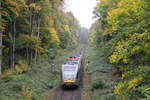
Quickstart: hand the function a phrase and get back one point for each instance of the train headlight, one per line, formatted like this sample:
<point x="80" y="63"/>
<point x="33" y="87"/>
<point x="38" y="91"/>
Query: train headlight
<point x="68" y="80"/>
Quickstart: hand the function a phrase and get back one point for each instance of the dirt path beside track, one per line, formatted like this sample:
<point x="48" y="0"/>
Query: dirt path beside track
<point x="86" y="93"/>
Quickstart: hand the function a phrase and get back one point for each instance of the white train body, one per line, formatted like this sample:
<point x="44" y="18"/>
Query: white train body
<point x="70" y="71"/>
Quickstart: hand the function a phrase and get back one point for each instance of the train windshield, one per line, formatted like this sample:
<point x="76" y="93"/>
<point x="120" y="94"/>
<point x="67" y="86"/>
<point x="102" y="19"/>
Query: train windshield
<point x="69" y="76"/>
<point x="69" y="68"/>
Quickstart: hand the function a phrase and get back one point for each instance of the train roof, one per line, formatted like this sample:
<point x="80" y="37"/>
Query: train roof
<point x="72" y="62"/>
<point x="75" y="56"/>
<point x="74" y="59"/>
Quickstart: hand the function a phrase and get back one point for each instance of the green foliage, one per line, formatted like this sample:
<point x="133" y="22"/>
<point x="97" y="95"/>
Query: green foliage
<point x="29" y="84"/>
<point x="27" y="93"/>
<point x="100" y="71"/>
<point x="146" y="91"/>
<point x="21" y="67"/>
<point x="122" y="33"/>
<point x="26" y="41"/>
<point x="98" y="83"/>
<point x="30" y="27"/>
<point x="135" y="85"/>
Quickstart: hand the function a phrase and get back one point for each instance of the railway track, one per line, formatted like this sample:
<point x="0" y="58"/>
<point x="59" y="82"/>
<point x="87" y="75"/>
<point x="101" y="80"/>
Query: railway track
<point x="72" y="94"/>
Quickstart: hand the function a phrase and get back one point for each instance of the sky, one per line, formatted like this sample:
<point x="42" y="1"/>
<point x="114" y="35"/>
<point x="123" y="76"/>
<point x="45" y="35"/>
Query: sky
<point x="82" y="10"/>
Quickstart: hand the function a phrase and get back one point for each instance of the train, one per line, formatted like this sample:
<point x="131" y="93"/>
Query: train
<point x="70" y="71"/>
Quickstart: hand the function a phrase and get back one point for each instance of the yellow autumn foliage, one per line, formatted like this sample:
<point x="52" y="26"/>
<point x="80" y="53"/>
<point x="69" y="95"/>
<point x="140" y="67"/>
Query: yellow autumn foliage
<point x="55" y="38"/>
<point x="21" y="67"/>
<point x="125" y="41"/>
<point x="123" y="89"/>
<point x="113" y="59"/>
<point x="42" y="50"/>
<point x="122" y="76"/>
<point x="27" y="93"/>
<point x="67" y="28"/>
<point x="135" y="82"/>
<point x="32" y="5"/>
<point x="125" y="61"/>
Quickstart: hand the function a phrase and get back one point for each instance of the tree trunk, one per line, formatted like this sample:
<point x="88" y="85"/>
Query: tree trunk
<point x="0" y="46"/>
<point x="14" y="42"/>
<point x="12" y="53"/>
<point x="31" y="34"/>
<point x="27" y="51"/>
<point x="11" y="48"/>
<point x="38" y="34"/>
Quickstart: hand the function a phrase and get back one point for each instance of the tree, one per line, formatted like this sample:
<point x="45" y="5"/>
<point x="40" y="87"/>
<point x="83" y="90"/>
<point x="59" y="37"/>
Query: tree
<point x="124" y="30"/>
<point x="31" y="26"/>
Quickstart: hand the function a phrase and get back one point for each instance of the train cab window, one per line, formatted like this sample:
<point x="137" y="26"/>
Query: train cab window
<point x="69" y="69"/>
<point x="69" y="76"/>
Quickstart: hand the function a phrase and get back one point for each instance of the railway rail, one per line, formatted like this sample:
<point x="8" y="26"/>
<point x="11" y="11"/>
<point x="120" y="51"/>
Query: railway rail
<point x="72" y="94"/>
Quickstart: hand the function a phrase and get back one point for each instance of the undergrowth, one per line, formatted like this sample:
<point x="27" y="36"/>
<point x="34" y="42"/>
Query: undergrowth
<point x="103" y="81"/>
<point x="22" y="83"/>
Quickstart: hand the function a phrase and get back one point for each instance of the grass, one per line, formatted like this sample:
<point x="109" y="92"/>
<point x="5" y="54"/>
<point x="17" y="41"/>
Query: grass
<point x="103" y="81"/>
<point x="34" y="83"/>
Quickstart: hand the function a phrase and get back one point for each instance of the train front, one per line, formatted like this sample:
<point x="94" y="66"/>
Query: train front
<point x="69" y="75"/>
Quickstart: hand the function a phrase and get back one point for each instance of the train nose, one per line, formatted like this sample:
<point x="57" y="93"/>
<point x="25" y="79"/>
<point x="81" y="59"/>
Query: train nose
<point x="69" y="78"/>
<point x="68" y="81"/>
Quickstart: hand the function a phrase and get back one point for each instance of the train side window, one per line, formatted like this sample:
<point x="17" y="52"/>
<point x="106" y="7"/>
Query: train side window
<point x="77" y="75"/>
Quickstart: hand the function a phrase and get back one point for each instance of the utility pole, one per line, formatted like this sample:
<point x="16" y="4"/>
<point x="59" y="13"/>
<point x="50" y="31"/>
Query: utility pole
<point x="51" y="53"/>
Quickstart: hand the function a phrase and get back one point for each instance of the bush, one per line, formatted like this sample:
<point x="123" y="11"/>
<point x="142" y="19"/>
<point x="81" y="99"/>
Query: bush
<point x="6" y="78"/>
<point x="17" y="87"/>
<point x="27" y="93"/>
<point x="98" y="83"/>
<point x="21" y="67"/>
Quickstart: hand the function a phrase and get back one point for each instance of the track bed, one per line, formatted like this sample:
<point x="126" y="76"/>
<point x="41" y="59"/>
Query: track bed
<point x="69" y="94"/>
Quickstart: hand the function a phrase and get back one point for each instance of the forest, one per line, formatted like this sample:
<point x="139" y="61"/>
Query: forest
<point x="118" y="46"/>
<point x="122" y="34"/>
<point x="29" y="27"/>
<point x="34" y="33"/>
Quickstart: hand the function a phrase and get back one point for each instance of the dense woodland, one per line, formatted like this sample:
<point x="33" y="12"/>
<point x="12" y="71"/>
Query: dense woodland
<point x="122" y="32"/>
<point x="29" y="27"/>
